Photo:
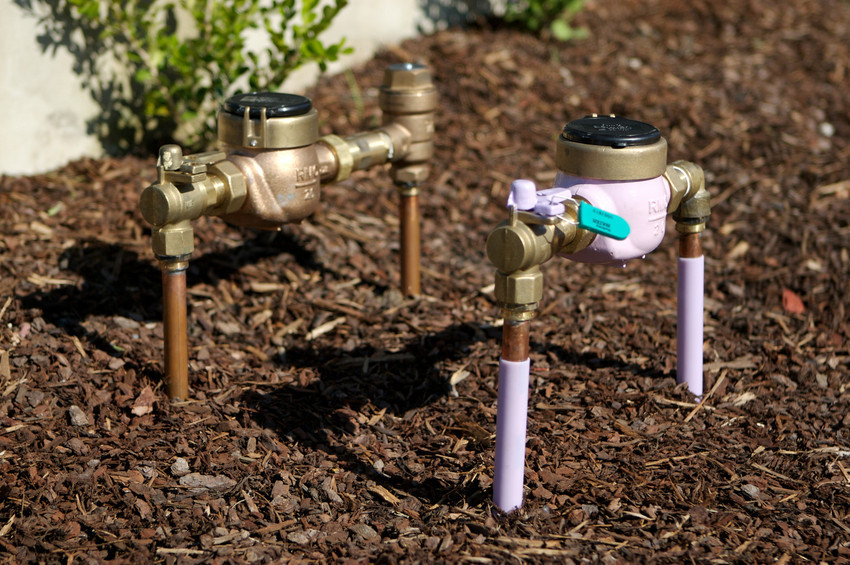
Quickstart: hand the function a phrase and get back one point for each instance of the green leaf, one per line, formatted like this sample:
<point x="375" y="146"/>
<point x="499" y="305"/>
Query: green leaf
<point x="142" y="75"/>
<point x="179" y="79"/>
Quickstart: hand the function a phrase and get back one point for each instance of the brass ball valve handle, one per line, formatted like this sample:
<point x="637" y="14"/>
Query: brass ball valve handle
<point x="269" y="173"/>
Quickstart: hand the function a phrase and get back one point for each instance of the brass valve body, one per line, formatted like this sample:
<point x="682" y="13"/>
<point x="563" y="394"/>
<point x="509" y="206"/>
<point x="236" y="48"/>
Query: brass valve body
<point x="408" y="99"/>
<point x="285" y="186"/>
<point x="187" y="188"/>
<point x="271" y="138"/>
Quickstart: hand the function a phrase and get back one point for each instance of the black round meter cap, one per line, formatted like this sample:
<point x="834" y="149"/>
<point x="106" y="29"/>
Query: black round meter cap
<point x="610" y="131"/>
<point x="277" y="105"/>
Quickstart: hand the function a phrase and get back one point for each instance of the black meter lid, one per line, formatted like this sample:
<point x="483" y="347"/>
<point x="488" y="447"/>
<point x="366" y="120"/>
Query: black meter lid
<point x="610" y="131"/>
<point x="277" y="105"/>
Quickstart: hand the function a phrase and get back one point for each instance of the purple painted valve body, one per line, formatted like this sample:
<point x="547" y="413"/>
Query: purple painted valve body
<point x="641" y="203"/>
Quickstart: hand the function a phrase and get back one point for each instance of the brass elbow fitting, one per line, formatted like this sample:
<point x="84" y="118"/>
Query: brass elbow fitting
<point x="690" y="202"/>
<point x="188" y="187"/>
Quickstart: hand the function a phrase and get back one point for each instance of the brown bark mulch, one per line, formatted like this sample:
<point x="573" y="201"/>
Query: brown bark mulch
<point x="332" y="418"/>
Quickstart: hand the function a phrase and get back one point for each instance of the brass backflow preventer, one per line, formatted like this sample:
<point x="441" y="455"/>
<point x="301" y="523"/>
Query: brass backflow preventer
<point x="269" y="172"/>
<point x="609" y="204"/>
<point x="612" y="194"/>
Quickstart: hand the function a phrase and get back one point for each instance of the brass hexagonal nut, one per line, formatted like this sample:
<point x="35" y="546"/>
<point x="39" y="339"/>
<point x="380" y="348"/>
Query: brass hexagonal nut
<point x="411" y="174"/>
<point x="520" y="287"/>
<point x="174" y="240"/>
<point x="696" y="208"/>
<point x="235" y="188"/>
<point x="405" y="76"/>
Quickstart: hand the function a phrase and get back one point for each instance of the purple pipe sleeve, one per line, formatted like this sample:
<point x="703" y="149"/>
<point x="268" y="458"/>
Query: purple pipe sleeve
<point x="511" y="421"/>
<point x="690" y="324"/>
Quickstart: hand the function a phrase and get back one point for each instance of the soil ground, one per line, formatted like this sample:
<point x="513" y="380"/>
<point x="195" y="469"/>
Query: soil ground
<point x="332" y="418"/>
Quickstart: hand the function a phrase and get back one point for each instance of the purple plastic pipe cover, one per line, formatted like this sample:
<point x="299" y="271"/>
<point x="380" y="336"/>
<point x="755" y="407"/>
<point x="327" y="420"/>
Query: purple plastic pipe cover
<point x="690" y="323"/>
<point x="511" y="421"/>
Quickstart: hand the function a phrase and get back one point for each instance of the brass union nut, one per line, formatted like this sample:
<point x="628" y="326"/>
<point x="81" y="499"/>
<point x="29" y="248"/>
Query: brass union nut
<point x="173" y="240"/>
<point x="694" y="209"/>
<point x="519" y="287"/>
<point x="235" y="188"/>
<point x="411" y="174"/>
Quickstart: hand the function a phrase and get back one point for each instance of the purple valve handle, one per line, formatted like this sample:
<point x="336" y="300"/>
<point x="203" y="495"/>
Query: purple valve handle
<point x="523" y="194"/>
<point x="511" y="421"/>
<point x="690" y="322"/>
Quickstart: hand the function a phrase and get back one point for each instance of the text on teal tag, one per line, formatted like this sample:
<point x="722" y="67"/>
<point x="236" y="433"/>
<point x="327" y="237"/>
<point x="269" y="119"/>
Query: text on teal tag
<point x="602" y="222"/>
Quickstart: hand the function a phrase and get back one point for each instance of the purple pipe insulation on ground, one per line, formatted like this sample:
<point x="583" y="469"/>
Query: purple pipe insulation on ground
<point x="690" y="323"/>
<point x="511" y="420"/>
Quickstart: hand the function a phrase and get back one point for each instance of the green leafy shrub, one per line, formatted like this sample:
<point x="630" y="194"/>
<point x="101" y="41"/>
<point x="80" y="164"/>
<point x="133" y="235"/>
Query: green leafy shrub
<point x="184" y="57"/>
<point x="554" y="16"/>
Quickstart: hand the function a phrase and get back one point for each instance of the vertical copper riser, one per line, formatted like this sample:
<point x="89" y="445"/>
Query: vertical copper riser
<point x="689" y="245"/>
<point x="515" y="336"/>
<point x="410" y="250"/>
<point x="174" y="332"/>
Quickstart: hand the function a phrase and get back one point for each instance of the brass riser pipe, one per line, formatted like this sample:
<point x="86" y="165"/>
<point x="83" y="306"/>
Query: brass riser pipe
<point x="175" y="330"/>
<point x="690" y="245"/>
<point x="410" y="244"/>
<point x="515" y="341"/>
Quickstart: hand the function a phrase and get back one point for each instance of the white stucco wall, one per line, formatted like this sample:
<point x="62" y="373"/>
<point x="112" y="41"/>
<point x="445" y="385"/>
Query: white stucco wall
<point x="45" y="108"/>
<point x="43" y="122"/>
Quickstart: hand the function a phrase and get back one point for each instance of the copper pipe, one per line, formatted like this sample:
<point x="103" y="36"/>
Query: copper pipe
<point x="174" y="329"/>
<point x="689" y="245"/>
<point x="410" y="245"/>
<point x="515" y="338"/>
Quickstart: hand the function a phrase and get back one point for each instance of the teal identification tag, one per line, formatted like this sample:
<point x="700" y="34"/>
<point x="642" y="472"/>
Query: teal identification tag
<point x="602" y="222"/>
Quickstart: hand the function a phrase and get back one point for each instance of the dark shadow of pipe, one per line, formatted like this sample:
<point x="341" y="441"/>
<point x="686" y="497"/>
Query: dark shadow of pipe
<point x="116" y="282"/>
<point x="322" y="415"/>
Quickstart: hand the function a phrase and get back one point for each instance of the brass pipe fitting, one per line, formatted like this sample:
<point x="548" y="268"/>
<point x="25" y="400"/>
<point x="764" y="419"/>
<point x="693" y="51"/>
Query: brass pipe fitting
<point x="408" y="99"/>
<point x="690" y="202"/>
<point x="339" y="157"/>
<point x="690" y="205"/>
<point x="188" y="187"/>
<point x="519" y="292"/>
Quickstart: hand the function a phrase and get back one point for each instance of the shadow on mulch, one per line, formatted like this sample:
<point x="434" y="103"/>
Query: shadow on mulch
<point x="568" y="357"/>
<point x="323" y="415"/>
<point x="117" y="282"/>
